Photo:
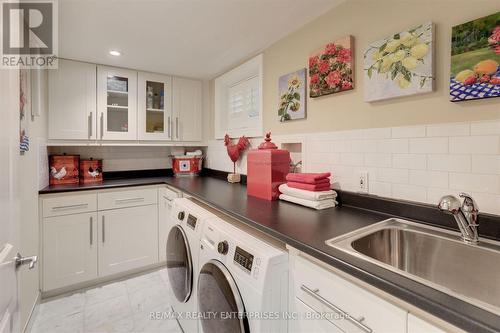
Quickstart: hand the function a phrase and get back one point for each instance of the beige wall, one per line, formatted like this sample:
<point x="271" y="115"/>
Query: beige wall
<point x="367" y="21"/>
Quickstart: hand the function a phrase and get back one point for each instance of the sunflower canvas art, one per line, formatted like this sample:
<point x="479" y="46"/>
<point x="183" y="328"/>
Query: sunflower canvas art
<point x="292" y="101"/>
<point x="400" y="65"/>
<point x="331" y="68"/>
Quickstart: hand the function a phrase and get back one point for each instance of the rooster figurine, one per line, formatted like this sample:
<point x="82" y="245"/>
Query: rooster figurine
<point x="234" y="151"/>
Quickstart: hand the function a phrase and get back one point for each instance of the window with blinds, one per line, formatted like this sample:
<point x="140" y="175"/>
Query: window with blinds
<point x="238" y="100"/>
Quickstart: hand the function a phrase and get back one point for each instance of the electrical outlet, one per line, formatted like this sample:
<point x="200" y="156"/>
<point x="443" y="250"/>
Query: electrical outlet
<point x="363" y="182"/>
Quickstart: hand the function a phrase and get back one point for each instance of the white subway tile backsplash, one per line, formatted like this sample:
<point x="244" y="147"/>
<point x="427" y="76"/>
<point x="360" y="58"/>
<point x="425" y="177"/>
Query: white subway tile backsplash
<point x="455" y="129"/>
<point x="341" y="146"/>
<point x="377" y="133"/>
<point x="485" y="127"/>
<point x="395" y="176"/>
<point x="429" y="178"/>
<point x="489" y="164"/>
<point x="409" y="192"/>
<point x="378" y="160"/>
<point x="364" y="146"/>
<point x="457" y="163"/>
<point x="475" y="145"/>
<point x="475" y="182"/>
<point x="380" y="188"/>
<point x="408" y="132"/>
<point x="434" y="194"/>
<point x="409" y="161"/>
<point x="392" y="146"/>
<point x="351" y="158"/>
<point x="429" y="146"/>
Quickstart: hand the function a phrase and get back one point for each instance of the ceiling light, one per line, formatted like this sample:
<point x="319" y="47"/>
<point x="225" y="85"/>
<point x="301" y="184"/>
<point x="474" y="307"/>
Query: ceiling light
<point x="115" y="53"/>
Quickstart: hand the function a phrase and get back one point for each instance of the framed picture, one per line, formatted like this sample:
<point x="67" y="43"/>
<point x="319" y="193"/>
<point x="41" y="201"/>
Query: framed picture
<point x="331" y="69"/>
<point x="475" y="59"/>
<point x="24" y="109"/>
<point x="292" y="96"/>
<point x="400" y="65"/>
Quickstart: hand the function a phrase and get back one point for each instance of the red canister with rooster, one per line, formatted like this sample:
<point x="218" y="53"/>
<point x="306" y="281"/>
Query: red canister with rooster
<point x="267" y="168"/>
<point x="63" y="169"/>
<point x="90" y="171"/>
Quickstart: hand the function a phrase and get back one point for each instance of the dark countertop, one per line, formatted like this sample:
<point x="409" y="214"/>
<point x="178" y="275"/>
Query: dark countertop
<point x="307" y="229"/>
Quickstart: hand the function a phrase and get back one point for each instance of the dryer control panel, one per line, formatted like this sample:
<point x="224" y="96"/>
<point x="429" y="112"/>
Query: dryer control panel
<point x="243" y="258"/>
<point x="191" y="221"/>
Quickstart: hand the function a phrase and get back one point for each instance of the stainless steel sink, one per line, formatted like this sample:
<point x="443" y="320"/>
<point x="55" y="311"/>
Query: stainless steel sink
<point x="433" y="256"/>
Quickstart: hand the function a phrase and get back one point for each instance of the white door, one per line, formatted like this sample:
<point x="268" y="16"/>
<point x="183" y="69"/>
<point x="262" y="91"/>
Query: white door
<point x="9" y="202"/>
<point x="128" y="238"/>
<point x="154" y="106"/>
<point x="186" y="106"/>
<point x="69" y="250"/>
<point x="117" y="103"/>
<point x="72" y="101"/>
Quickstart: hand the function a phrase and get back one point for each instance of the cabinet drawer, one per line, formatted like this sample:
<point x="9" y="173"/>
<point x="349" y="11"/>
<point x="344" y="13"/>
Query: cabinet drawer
<point x="168" y="193"/>
<point x="69" y="204"/>
<point x="127" y="198"/>
<point x="324" y="291"/>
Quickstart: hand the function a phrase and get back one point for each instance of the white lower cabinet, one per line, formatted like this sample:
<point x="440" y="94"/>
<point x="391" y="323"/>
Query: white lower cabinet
<point x="128" y="239"/>
<point x="81" y="245"/>
<point x="69" y="250"/>
<point x="354" y="309"/>
<point x="310" y="320"/>
<point x="417" y="325"/>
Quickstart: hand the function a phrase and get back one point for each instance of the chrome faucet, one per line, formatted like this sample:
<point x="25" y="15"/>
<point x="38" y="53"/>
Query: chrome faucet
<point x="465" y="214"/>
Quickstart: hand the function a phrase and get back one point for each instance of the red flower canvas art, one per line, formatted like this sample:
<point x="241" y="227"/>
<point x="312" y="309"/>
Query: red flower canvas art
<point x="331" y="69"/>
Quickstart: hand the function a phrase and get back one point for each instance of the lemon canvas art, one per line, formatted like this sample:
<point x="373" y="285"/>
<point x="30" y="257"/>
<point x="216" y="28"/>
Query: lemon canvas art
<point x="400" y="65"/>
<point x="475" y="59"/>
<point x="292" y="98"/>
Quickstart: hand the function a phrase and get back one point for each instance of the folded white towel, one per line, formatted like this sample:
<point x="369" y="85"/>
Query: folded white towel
<point x="322" y="204"/>
<point x="308" y="195"/>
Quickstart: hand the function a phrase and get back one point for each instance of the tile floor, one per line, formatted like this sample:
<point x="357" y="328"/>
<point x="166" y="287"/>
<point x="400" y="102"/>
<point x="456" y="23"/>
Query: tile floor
<point x="122" y="306"/>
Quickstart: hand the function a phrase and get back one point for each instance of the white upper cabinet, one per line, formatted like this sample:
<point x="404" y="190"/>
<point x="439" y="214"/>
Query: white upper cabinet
<point x="154" y="106"/>
<point x="187" y="114"/>
<point x="72" y="101"/>
<point x="117" y="103"/>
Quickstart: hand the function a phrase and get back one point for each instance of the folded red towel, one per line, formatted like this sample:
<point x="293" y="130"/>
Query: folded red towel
<point x="308" y="178"/>
<point x="310" y="187"/>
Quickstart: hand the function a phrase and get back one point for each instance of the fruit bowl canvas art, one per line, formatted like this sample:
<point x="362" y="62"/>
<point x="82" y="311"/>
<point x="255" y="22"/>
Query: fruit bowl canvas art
<point x="400" y="65"/>
<point x="475" y="59"/>
<point x="331" y="69"/>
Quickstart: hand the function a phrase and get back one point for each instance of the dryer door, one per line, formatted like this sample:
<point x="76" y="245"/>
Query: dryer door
<point x="179" y="264"/>
<point x="218" y="295"/>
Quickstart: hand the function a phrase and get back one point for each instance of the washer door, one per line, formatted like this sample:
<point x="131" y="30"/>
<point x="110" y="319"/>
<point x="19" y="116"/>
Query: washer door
<point x="179" y="264"/>
<point x="220" y="299"/>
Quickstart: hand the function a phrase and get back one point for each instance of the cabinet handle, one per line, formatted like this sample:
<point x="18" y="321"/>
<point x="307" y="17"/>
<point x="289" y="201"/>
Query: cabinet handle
<point x="177" y="127"/>
<point x="90" y="125"/>
<point x="169" y="128"/>
<point x="357" y="322"/>
<point x="164" y="197"/>
<point x="70" y="207"/>
<point x="91" y="231"/>
<point x="103" y="229"/>
<point x="102" y="124"/>
<point x="125" y="200"/>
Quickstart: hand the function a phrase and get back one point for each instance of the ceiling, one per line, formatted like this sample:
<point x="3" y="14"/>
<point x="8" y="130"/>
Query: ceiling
<point x="193" y="38"/>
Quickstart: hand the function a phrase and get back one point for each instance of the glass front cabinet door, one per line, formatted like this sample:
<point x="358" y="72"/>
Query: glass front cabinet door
<point x="154" y="103"/>
<point x="117" y="103"/>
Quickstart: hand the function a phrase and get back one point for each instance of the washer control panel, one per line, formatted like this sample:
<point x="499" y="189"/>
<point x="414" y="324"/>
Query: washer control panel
<point x="191" y="221"/>
<point x="243" y="258"/>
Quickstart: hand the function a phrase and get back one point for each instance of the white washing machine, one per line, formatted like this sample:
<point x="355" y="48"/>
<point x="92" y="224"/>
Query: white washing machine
<point x="183" y="243"/>
<point x="243" y="282"/>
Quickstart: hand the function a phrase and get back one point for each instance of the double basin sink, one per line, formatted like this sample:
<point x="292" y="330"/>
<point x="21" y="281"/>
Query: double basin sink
<point x="435" y="257"/>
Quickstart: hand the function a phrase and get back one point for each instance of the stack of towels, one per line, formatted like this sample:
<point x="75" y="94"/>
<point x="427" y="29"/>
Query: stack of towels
<point x="309" y="189"/>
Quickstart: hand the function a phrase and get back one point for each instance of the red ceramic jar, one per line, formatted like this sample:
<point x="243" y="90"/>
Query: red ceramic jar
<point x="267" y="168"/>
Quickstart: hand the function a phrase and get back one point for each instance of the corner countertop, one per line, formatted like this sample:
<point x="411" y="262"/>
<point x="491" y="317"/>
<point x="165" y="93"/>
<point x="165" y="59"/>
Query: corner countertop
<point x="307" y="230"/>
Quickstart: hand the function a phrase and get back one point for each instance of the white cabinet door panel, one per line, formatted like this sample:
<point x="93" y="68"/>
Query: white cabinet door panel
<point x="417" y="325"/>
<point x="69" y="250"/>
<point x="72" y="101"/>
<point x="128" y="238"/>
<point x="308" y="320"/>
<point x="187" y="113"/>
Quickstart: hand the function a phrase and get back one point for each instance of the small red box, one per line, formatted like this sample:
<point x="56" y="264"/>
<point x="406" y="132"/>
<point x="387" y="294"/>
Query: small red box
<point x="90" y="171"/>
<point x="267" y="168"/>
<point x="63" y="169"/>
